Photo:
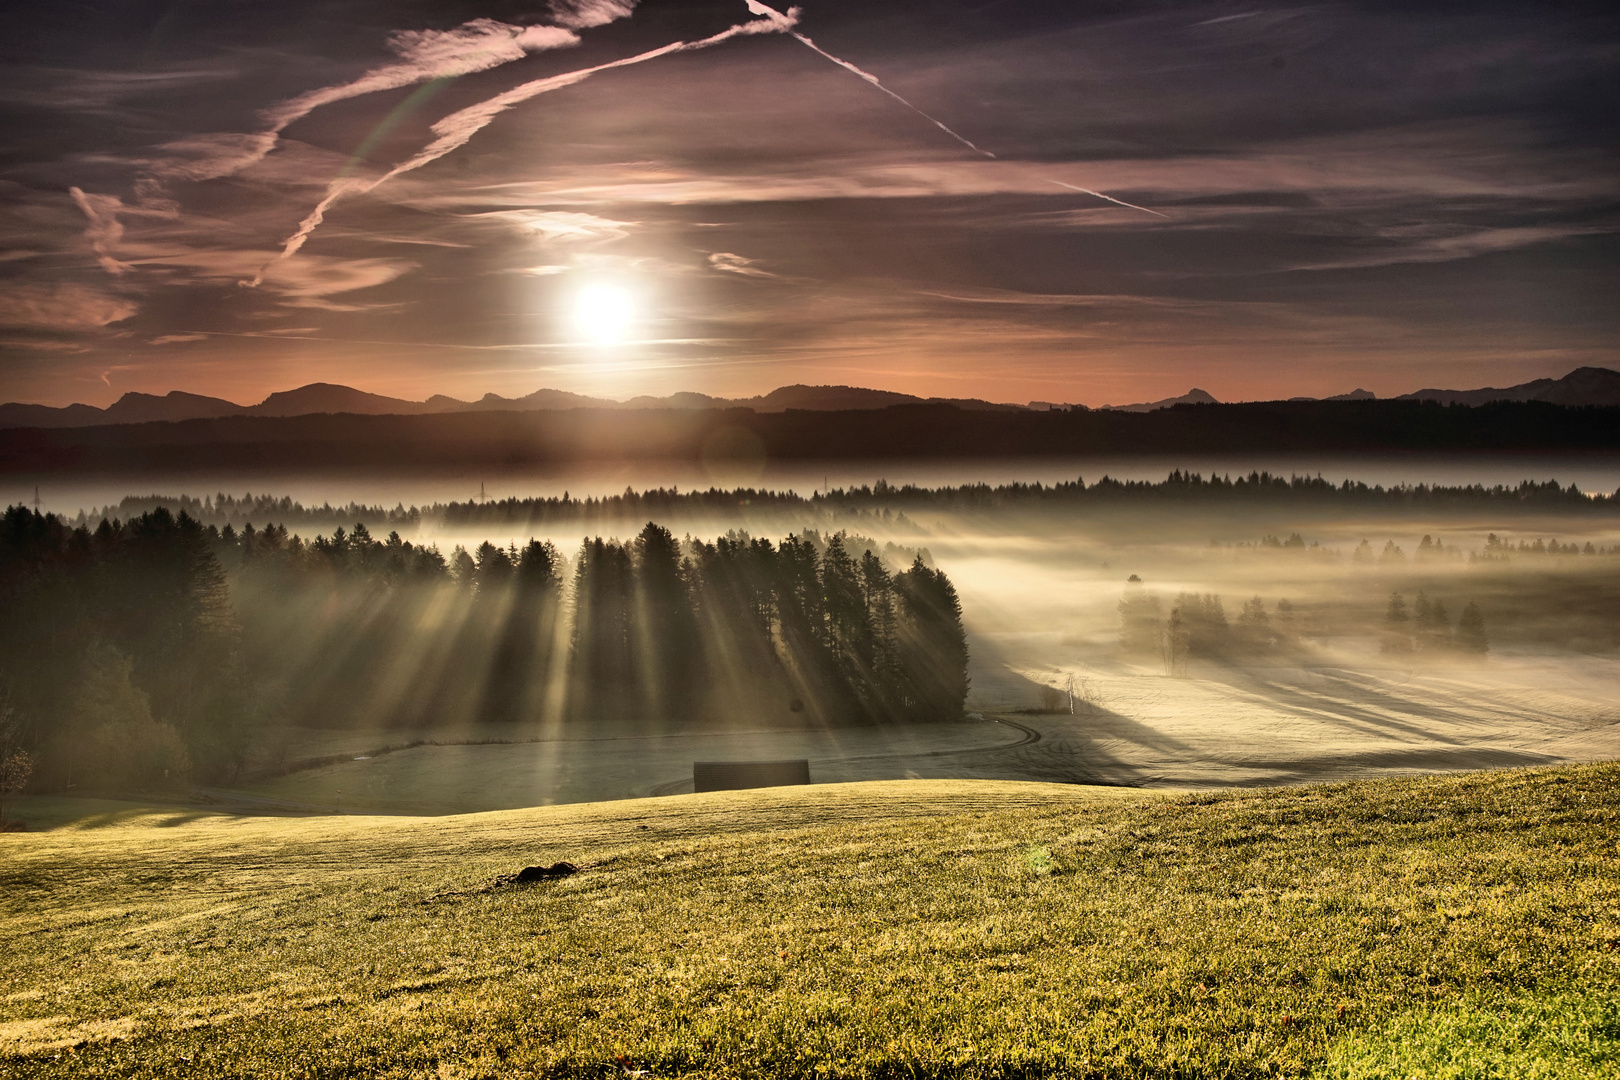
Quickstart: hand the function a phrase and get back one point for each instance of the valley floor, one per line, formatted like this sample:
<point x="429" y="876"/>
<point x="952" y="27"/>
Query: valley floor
<point x="1132" y="726"/>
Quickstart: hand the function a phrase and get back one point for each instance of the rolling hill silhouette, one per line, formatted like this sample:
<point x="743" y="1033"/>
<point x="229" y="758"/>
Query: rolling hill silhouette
<point x="1583" y="386"/>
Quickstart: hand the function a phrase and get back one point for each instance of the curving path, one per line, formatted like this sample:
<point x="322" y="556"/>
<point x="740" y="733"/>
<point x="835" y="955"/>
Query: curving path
<point x="1029" y="737"/>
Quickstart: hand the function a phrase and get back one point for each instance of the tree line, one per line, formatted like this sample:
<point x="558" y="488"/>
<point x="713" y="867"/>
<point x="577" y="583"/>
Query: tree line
<point x="541" y="513"/>
<point x="408" y="445"/>
<point x="149" y="650"/>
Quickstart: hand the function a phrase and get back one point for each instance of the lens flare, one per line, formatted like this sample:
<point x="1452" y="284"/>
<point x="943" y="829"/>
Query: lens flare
<point x="603" y="313"/>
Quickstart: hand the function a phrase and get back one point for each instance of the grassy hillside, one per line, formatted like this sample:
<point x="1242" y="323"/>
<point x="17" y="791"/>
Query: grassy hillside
<point x="1458" y="926"/>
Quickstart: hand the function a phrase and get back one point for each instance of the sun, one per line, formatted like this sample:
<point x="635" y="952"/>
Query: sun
<point x="603" y="312"/>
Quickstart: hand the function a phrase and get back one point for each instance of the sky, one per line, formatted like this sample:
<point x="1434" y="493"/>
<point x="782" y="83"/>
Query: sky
<point x="1092" y="202"/>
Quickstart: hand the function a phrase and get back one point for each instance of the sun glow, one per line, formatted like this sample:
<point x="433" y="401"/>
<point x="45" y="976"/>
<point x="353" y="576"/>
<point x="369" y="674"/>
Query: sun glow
<point x="603" y="313"/>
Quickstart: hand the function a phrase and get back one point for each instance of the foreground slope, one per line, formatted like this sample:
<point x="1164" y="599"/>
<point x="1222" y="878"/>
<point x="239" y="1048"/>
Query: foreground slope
<point x="952" y="928"/>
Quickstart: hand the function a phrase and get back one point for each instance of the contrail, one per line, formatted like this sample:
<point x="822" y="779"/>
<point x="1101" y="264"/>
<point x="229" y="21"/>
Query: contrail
<point x="455" y="130"/>
<point x="1110" y="198"/>
<point x="874" y="81"/>
<point x="769" y="12"/>
<point x="430" y="54"/>
<point x="759" y="8"/>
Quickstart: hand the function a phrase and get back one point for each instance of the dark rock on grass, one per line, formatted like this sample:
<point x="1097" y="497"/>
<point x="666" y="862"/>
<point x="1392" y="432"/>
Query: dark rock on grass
<point x="527" y="876"/>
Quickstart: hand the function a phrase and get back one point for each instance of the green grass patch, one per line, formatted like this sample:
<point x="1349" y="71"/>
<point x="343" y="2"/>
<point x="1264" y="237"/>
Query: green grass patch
<point x="1557" y="1037"/>
<point x="922" y="928"/>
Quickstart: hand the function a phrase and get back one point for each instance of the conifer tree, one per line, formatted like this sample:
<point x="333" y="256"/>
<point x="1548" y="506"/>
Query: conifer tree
<point x="1397" y="626"/>
<point x="933" y="645"/>
<point x="1470" y="636"/>
<point x="1141" y="622"/>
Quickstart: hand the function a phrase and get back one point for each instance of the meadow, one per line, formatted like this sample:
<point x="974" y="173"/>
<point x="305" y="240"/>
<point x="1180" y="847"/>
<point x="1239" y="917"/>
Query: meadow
<point x="1463" y="925"/>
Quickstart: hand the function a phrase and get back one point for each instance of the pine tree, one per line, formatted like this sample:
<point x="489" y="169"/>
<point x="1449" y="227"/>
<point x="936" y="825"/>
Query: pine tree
<point x="1433" y="624"/>
<point x="933" y="645"/>
<point x="877" y="589"/>
<point x="1470" y="636"/>
<point x="462" y="568"/>
<point x="1254" y="626"/>
<point x="16" y="763"/>
<point x="849" y="631"/>
<point x="1397" y="629"/>
<point x="1176" y="643"/>
<point x="1203" y="624"/>
<point x="604" y="678"/>
<point x="1141" y="622"/>
<point x="665" y="633"/>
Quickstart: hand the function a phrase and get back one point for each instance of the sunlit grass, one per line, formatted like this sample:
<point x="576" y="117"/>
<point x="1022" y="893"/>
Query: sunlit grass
<point x="1487" y="1036"/>
<point x="931" y="928"/>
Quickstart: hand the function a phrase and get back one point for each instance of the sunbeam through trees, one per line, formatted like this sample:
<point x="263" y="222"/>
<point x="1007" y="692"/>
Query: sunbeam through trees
<point x="148" y="652"/>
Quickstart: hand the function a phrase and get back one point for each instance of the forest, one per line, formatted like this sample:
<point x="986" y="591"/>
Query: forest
<point x="880" y="500"/>
<point x="418" y="444"/>
<point x="151" y="651"/>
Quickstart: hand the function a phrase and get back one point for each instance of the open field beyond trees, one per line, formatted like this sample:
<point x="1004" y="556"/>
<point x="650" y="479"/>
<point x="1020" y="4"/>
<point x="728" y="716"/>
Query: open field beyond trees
<point x="1442" y="926"/>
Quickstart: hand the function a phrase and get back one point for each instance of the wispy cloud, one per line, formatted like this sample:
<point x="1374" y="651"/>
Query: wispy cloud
<point x="101" y="91"/>
<point x="62" y="307"/>
<point x="732" y="263"/>
<point x="44" y="345"/>
<point x="1395" y="246"/>
<point x="1455" y="166"/>
<point x="176" y="339"/>
<point x="308" y="283"/>
<point x="313" y="286"/>
<point x="104" y="229"/>
<point x="209" y="156"/>
<point x="457" y="129"/>
<point x="425" y="55"/>
<point x="560" y="226"/>
<point x="583" y="14"/>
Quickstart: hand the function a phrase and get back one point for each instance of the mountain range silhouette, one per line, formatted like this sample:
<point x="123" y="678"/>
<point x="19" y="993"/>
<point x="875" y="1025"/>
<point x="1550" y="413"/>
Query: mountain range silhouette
<point x="1583" y="386"/>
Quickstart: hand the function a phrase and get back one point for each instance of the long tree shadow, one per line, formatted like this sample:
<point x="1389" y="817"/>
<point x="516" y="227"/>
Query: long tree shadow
<point x="1357" y="707"/>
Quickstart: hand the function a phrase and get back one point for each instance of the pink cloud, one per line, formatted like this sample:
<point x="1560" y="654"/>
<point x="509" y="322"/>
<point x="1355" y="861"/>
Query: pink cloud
<point x="65" y="306"/>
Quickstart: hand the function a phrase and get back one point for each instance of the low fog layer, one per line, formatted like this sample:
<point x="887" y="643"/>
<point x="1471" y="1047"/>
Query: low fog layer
<point x="1159" y="635"/>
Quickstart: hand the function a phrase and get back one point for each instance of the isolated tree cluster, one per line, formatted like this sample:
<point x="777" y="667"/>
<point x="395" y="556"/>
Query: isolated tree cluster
<point x="1196" y="627"/>
<point x="1426" y="629"/>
